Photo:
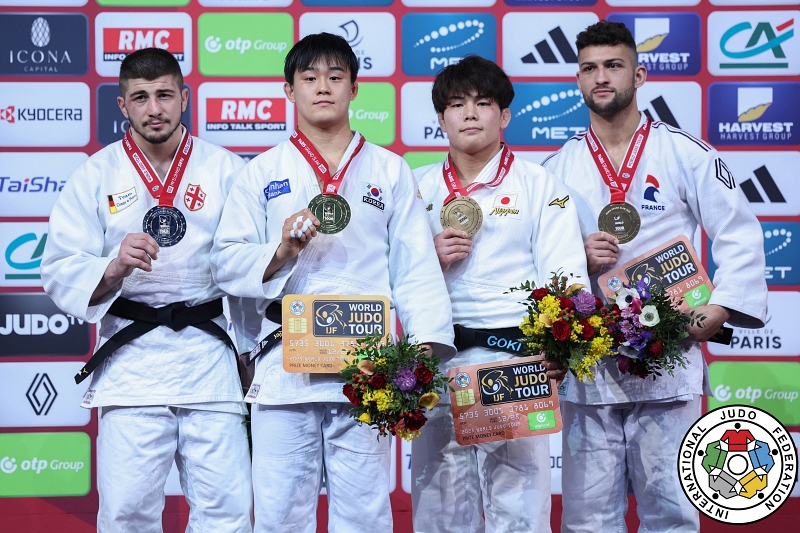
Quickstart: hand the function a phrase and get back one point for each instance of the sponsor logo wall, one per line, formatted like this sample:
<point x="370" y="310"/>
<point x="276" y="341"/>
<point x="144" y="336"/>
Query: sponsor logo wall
<point x="723" y="70"/>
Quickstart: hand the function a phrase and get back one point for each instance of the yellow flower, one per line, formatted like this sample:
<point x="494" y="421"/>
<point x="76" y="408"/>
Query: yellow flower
<point x="429" y="400"/>
<point x="366" y="366"/>
<point x="598" y="348"/>
<point x="545" y="320"/>
<point x="526" y="326"/>
<point x="380" y="361"/>
<point x="408" y="435"/>
<point x="383" y="399"/>
<point x="603" y="330"/>
<point x="577" y="328"/>
<point x="595" y="321"/>
<point x="365" y="418"/>
<point x="538" y="329"/>
<point x="575" y="287"/>
<point x="549" y="305"/>
<point x="573" y="337"/>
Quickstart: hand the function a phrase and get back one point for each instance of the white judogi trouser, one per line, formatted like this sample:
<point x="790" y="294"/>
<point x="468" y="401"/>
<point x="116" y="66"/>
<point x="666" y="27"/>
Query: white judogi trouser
<point x="291" y="446"/>
<point x="452" y="486"/>
<point x="135" y="450"/>
<point x="604" y="445"/>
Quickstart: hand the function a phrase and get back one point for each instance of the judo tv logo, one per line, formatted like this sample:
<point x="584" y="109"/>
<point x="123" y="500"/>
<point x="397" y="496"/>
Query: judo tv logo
<point x="754" y="113"/>
<point x="31" y="324"/>
<point x="44" y="45"/>
<point x="433" y="41"/>
<point x="737" y="464"/>
<point x="546" y="114"/>
<point x="753" y="43"/>
<point x="542" y="44"/>
<point x="667" y="44"/>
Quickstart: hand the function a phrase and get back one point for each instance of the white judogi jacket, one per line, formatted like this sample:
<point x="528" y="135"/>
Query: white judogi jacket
<point x="521" y="238"/>
<point x="383" y="251"/>
<point x="695" y="187"/>
<point x="163" y="367"/>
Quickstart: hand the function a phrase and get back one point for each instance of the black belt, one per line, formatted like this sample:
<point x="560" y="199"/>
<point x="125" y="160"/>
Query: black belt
<point x="273" y="314"/>
<point x="145" y="319"/>
<point x="503" y="339"/>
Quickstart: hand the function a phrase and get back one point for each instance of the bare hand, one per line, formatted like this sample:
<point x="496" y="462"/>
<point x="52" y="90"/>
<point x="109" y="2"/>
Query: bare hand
<point x="715" y="317"/>
<point x="291" y="244"/>
<point x="137" y="250"/>
<point x="555" y="370"/>
<point x="451" y="245"/>
<point x="601" y="250"/>
<point x="427" y="349"/>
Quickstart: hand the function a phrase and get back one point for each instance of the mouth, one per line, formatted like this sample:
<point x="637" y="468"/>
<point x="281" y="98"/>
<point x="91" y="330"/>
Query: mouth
<point x="471" y="130"/>
<point x="324" y="103"/>
<point x="156" y="123"/>
<point x="602" y="92"/>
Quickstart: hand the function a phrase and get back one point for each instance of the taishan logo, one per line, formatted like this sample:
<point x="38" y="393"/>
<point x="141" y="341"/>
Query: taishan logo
<point x="119" y="42"/>
<point x="253" y="114"/>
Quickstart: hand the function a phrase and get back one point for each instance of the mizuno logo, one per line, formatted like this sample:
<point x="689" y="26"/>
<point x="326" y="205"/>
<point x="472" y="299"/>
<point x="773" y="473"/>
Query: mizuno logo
<point x="560" y="203"/>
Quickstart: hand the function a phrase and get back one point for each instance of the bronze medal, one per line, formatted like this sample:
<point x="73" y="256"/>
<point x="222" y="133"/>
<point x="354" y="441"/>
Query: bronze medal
<point x="620" y="220"/>
<point x="462" y="213"/>
<point x="333" y="212"/>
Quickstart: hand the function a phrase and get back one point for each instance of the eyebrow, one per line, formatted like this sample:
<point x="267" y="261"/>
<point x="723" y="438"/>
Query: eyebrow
<point x="312" y="68"/>
<point x="603" y="61"/>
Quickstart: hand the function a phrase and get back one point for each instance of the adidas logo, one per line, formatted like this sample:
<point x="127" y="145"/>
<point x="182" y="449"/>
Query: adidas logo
<point x="546" y="53"/>
<point x="768" y="185"/>
<point x="662" y="111"/>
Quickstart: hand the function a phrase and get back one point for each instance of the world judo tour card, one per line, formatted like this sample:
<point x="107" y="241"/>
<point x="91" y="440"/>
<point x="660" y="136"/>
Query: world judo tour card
<point x="503" y="400"/>
<point x="319" y="330"/>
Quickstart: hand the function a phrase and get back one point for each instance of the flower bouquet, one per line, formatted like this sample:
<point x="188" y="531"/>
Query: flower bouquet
<point x="569" y="324"/>
<point x="648" y="330"/>
<point x="390" y="385"/>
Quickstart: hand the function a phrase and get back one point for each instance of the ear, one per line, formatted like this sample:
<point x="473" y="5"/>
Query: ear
<point x="354" y="91"/>
<point x="121" y="104"/>
<point x="288" y="90"/>
<point x="639" y="76"/>
<point x="505" y="118"/>
<point x="184" y="99"/>
<point x="440" y="117"/>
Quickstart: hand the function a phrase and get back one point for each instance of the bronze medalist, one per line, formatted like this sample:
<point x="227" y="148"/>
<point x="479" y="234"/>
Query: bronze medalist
<point x="620" y="220"/>
<point x="462" y="213"/>
<point x="333" y="212"/>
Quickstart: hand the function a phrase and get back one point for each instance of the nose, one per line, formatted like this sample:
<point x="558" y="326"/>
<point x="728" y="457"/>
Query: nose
<point x="153" y="107"/>
<point x="322" y="86"/>
<point x="470" y="111"/>
<point x="602" y="76"/>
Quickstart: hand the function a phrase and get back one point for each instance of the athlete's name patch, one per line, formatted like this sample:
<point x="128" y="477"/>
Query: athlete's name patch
<point x="276" y="188"/>
<point x="120" y="200"/>
<point x="373" y="196"/>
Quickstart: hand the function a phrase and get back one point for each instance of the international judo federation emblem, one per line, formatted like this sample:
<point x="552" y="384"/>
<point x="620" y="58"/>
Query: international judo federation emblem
<point x="737" y="464"/>
<point x="195" y="197"/>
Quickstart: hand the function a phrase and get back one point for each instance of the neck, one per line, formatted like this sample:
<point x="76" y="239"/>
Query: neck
<point x="616" y="131"/>
<point x="161" y="154"/>
<point x="331" y="142"/>
<point x="469" y="165"/>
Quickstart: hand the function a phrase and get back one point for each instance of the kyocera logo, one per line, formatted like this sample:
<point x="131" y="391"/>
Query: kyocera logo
<point x="243" y="114"/>
<point x="119" y="42"/>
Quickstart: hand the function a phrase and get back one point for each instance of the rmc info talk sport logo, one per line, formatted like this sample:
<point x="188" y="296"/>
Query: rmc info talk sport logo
<point x="737" y="464"/>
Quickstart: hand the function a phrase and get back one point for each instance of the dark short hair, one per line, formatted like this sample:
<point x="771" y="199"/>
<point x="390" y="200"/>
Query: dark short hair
<point x="317" y="47"/>
<point x="473" y="74"/>
<point x="149" y="64"/>
<point x="605" y="33"/>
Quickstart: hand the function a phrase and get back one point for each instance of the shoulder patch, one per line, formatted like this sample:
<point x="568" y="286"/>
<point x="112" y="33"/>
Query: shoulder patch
<point x="276" y="188"/>
<point x="560" y="203"/>
<point x="723" y="174"/>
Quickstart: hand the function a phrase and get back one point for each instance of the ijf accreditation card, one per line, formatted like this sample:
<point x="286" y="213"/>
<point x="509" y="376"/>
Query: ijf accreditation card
<point x="503" y="400"/>
<point x="319" y="330"/>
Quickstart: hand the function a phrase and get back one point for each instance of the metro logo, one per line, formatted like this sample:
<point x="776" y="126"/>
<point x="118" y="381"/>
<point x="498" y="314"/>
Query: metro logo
<point x="119" y="42"/>
<point x="246" y="114"/>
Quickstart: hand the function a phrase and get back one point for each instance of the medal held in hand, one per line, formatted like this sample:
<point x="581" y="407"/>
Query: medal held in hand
<point x="619" y="218"/>
<point x="164" y="223"/>
<point x="459" y="210"/>
<point x="330" y="208"/>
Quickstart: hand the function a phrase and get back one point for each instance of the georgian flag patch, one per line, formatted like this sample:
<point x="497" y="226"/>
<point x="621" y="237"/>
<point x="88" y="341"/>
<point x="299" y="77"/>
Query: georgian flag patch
<point x="373" y="195"/>
<point x="194" y="198"/>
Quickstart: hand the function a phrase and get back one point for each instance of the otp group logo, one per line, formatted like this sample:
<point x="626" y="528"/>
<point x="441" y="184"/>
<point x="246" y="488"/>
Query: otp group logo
<point x="433" y="41"/>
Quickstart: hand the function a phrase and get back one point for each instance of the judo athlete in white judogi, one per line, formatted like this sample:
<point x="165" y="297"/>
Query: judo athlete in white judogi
<point x="262" y="251"/>
<point x="168" y="388"/>
<point x="530" y="230"/>
<point x="622" y="426"/>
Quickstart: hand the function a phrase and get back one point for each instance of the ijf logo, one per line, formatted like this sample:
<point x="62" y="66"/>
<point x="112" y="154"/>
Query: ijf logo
<point x="754" y="113"/>
<point x="753" y="43"/>
<point x="737" y="464"/>
<point x="768" y="181"/>
<point x="668" y="44"/>
<point x="52" y="45"/>
<point x="433" y="41"/>
<point x="542" y="44"/>
<point x="120" y="34"/>
<point x="370" y="35"/>
<point x="546" y="114"/>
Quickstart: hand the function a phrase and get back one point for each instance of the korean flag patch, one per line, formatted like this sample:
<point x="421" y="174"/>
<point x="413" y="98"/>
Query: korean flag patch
<point x="373" y="195"/>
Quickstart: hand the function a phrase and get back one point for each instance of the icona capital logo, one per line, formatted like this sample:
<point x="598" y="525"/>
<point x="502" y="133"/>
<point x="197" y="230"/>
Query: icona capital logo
<point x="51" y="44"/>
<point x="244" y="44"/>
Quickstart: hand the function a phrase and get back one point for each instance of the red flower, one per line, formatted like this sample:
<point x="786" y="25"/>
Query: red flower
<point x="351" y="394"/>
<point x="655" y="349"/>
<point x="415" y="420"/>
<point x="561" y="330"/>
<point x="615" y="310"/>
<point x="565" y="303"/>
<point x="624" y="364"/>
<point x="378" y="380"/>
<point x="598" y="303"/>
<point x="588" y="330"/>
<point x="538" y="294"/>
<point x="423" y="374"/>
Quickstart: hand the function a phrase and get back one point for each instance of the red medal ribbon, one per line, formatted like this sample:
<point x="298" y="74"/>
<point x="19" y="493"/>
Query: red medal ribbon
<point x="149" y="175"/>
<point x="619" y="183"/>
<point x="454" y="184"/>
<point x="309" y="152"/>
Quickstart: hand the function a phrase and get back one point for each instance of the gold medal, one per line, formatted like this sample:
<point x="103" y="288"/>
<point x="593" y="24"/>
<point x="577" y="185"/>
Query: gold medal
<point x="620" y="220"/>
<point x="462" y="213"/>
<point x="333" y="212"/>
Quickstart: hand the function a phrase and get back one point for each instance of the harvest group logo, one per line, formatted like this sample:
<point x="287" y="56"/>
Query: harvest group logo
<point x="546" y="113"/>
<point x="754" y="113"/>
<point x="753" y="43"/>
<point x="737" y="464"/>
<point x="433" y="41"/>
<point x="667" y="44"/>
<point x="51" y="45"/>
<point x="244" y="44"/>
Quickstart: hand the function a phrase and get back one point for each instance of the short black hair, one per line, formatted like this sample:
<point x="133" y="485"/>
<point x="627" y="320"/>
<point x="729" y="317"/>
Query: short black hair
<point x="473" y="74"/>
<point x="605" y="33"/>
<point x="320" y="47"/>
<point x="149" y="64"/>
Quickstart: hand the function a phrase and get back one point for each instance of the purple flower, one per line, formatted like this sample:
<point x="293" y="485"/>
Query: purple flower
<point x="584" y="302"/>
<point x="642" y="287"/>
<point x="405" y="379"/>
